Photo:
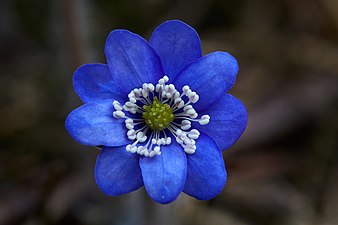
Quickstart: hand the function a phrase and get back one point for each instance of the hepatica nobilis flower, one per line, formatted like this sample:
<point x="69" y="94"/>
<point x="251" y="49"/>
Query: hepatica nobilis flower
<point x="161" y="112"/>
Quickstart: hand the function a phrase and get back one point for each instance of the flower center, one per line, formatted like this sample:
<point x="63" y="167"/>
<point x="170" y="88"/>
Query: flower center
<point x="158" y="113"/>
<point x="158" y="116"/>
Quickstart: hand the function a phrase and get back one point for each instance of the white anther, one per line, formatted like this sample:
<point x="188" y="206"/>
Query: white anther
<point x="179" y="140"/>
<point x="119" y="114"/>
<point x="143" y="139"/>
<point x="157" y="150"/>
<point x="191" y="94"/>
<point x="205" y="119"/>
<point x="146" y="153"/>
<point x="152" y="154"/>
<point x="139" y="149"/>
<point x="188" y="93"/>
<point x="191" y="112"/>
<point x="145" y="93"/>
<point x="145" y="86"/>
<point x="153" y="141"/>
<point x="158" y="141"/>
<point x="166" y="79"/>
<point x="186" y="108"/>
<point x="137" y="92"/>
<point x="168" y="95"/>
<point x="187" y="141"/>
<point x="158" y="87"/>
<point x="117" y="105"/>
<point x="129" y="121"/>
<point x="139" y="135"/>
<point x="195" y="115"/>
<point x="194" y="134"/>
<point x="151" y="87"/>
<point x="171" y="87"/>
<point x="185" y="124"/>
<point x="180" y="105"/>
<point x="176" y="95"/>
<point x="185" y="88"/>
<point x="132" y="100"/>
<point x="132" y="137"/>
<point x="130" y="132"/>
<point x="161" y="81"/>
<point x="177" y="100"/>
<point x="190" y="149"/>
<point x="168" y="141"/>
<point x="129" y="126"/>
<point x="129" y="104"/>
<point x="131" y="94"/>
<point x="162" y="141"/>
<point x="143" y="151"/>
<point x="133" y="149"/>
<point x="195" y="98"/>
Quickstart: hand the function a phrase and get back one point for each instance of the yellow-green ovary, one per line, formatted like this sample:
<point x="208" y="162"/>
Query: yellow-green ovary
<point x="158" y="116"/>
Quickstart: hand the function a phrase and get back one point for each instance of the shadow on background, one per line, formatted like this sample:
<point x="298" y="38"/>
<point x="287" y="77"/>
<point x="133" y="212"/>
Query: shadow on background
<point x="282" y="171"/>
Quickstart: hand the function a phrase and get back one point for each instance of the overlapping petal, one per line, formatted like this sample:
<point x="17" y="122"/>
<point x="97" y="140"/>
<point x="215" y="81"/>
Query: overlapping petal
<point x="211" y="76"/>
<point x="164" y="175"/>
<point x="228" y="119"/>
<point x="131" y="60"/>
<point x="206" y="174"/>
<point x="93" y="124"/>
<point x="117" y="171"/>
<point x="177" y="44"/>
<point x="94" y="82"/>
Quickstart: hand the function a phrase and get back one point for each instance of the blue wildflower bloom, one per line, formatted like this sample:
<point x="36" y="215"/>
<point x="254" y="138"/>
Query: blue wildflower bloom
<point x="161" y="112"/>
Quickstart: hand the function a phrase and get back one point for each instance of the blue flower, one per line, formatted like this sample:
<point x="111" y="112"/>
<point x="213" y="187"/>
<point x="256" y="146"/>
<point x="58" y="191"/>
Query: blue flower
<point x="161" y="112"/>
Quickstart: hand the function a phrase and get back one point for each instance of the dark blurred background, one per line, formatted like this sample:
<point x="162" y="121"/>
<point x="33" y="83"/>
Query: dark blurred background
<point x="282" y="171"/>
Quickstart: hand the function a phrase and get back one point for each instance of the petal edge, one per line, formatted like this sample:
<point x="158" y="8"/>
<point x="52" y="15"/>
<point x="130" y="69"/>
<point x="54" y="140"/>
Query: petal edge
<point x="117" y="172"/>
<point x="131" y="60"/>
<point x="94" y="82"/>
<point x="164" y="175"/>
<point x="210" y="76"/>
<point x="228" y="120"/>
<point x="177" y="44"/>
<point x="93" y="124"/>
<point x="206" y="174"/>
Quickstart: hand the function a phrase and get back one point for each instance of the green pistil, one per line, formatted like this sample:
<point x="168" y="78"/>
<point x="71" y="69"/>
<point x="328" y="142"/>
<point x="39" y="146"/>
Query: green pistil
<point x="158" y="116"/>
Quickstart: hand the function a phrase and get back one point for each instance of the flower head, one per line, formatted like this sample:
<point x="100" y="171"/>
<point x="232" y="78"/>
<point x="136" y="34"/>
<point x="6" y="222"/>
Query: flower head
<point x="161" y="112"/>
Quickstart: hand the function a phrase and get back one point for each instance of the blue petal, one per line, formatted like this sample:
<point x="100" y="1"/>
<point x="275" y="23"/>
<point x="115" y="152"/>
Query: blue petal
<point x="177" y="44"/>
<point x="131" y="60"/>
<point x="211" y="76"/>
<point x="164" y="175"/>
<point x="93" y="124"/>
<point x="228" y="119"/>
<point x="94" y="82"/>
<point x="117" y="172"/>
<point x="206" y="174"/>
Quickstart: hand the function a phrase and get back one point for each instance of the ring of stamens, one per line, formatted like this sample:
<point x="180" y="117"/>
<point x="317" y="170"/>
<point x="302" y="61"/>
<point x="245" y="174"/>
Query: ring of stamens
<point x="155" y="113"/>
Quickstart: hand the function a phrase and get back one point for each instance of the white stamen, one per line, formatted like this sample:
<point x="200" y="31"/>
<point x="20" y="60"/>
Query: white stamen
<point x="194" y="134"/>
<point x="151" y="87"/>
<point x="117" y="105"/>
<point x="185" y="125"/>
<point x="183" y="112"/>
<point x="119" y="114"/>
<point x="204" y="120"/>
